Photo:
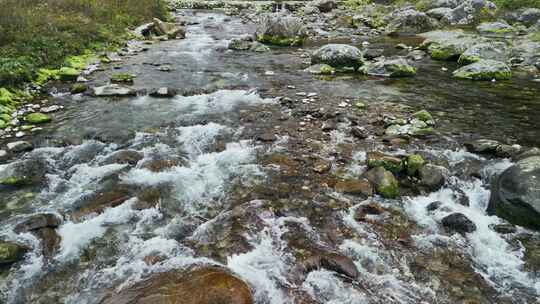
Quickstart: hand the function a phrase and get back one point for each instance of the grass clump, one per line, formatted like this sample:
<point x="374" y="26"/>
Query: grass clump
<point x="39" y="37"/>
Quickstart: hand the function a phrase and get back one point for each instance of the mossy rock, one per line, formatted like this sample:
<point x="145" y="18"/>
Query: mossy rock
<point x="14" y="181"/>
<point x="390" y="163"/>
<point x="79" y="88"/>
<point x="321" y="69"/>
<point x="423" y="115"/>
<point x="281" y="41"/>
<point x="385" y="182"/>
<point x="414" y="163"/>
<point x="484" y="70"/>
<point x="44" y="75"/>
<point x="68" y="74"/>
<point x="122" y="78"/>
<point x="37" y="118"/>
<point x="10" y="252"/>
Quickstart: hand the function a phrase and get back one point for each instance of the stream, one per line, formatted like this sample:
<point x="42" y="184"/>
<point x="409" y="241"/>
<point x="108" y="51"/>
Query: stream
<point x="223" y="175"/>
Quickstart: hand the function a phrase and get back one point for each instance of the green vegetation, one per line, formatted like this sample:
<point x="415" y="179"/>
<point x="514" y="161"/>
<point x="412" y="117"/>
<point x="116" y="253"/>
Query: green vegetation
<point x="515" y="4"/>
<point x="38" y="38"/>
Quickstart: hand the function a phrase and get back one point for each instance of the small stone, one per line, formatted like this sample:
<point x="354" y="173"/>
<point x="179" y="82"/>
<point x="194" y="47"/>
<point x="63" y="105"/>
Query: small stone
<point x="457" y="222"/>
<point x="163" y="92"/>
<point x="19" y="146"/>
<point x="322" y="166"/>
<point x="37" y="118"/>
<point x="50" y="109"/>
<point x="269" y="73"/>
<point x="359" y="132"/>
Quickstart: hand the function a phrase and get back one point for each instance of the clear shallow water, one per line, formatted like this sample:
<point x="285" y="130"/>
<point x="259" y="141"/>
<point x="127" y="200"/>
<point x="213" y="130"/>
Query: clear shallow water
<point x="204" y="132"/>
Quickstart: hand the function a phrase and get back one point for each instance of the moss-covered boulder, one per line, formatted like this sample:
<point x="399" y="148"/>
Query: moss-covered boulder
<point x="37" y="118"/>
<point x="68" y="74"/>
<point x="450" y="49"/>
<point x="484" y="69"/>
<point x="340" y="56"/>
<point x="414" y="163"/>
<point x="385" y="183"/>
<point x="424" y="116"/>
<point x="495" y="50"/>
<point x="11" y="252"/>
<point x="79" y="88"/>
<point x="496" y="28"/>
<point x="281" y="30"/>
<point x="122" y="78"/>
<point x="321" y="69"/>
<point x="389" y="68"/>
<point x="515" y="194"/>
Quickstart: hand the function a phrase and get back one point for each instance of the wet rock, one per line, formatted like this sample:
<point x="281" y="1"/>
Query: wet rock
<point x="482" y="146"/>
<point x="259" y="47"/>
<point x="484" y="69"/>
<point x="371" y="208"/>
<point x="372" y="53"/>
<point x="130" y="157"/>
<point x="529" y="16"/>
<point x="424" y="116"/>
<point x="505" y="228"/>
<point x="409" y="21"/>
<point x="451" y="46"/>
<point x="79" y="88"/>
<point x="122" y="78"/>
<point x="322" y="166"/>
<point x="508" y="150"/>
<point x="160" y="165"/>
<point x="389" y="68"/>
<point x="19" y="146"/>
<point x="38" y="221"/>
<point x="37" y="118"/>
<point x="434" y="206"/>
<point x="416" y="55"/>
<point x="241" y="43"/>
<point x="440" y="13"/>
<point x="495" y="28"/>
<point x="355" y="187"/>
<point x="389" y="162"/>
<point x="144" y="30"/>
<point x="325" y="6"/>
<point x="50" y="240"/>
<point x="163" y="92"/>
<point x="359" y="132"/>
<point x="340" y="56"/>
<point x="489" y="50"/>
<point x="332" y="261"/>
<point x="385" y="183"/>
<point x="515" y="194"/>
<point x="171" y="30"/>
<point x="281" y="29"/>
<point x="96" y="203"/>
<point x="3" y="154"/>
<point x="320" y="69"/>
<point x="469" y="11"/>
<point x="457" y="222"/>
<point x="24" y="172"/>
<point x="528" y="153"/>
<point x="113" y="90"/>
<point x="432" y="177"/>
<point x="50" y="109"/>
<point x="11" y="252"/>
<point x="207" y="285"/>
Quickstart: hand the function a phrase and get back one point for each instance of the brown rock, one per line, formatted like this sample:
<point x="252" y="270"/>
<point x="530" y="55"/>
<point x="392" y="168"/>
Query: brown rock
<point x="161" y="165"/>
<point x="332" y="261"/>
<point x="210" y="285"/>
<point x="360" y="186"/>
<point x="322" y="166"/>
<point x="37" y="221"/>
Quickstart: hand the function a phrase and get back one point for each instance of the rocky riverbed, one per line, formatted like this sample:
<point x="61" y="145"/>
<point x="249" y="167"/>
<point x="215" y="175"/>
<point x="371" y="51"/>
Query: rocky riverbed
<point x="314" y="156"/>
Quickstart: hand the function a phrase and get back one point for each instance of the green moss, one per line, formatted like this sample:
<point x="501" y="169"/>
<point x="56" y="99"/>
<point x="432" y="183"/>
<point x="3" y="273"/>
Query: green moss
<point x="401" y="70"/>
<point x="414" y="163"/>
<point x="44" y="75"/>
<point x="79" y="62"/>
<point x="13" y="181"/>
<point x="360" y="105"/>
<point x="423" y="115"/>
<point x="6" y="97"/>
<point x="390" y="164"/>
<point x="5" y="117"/>
<point x="389" y="191"/>
<point x="281" y="41"/>
<point x="122" y="78"/>
<point x="439" y="52"/>
<point x="37" y="118"/>
<point x="464" y="60"/>
<point x="79" y="88"/>
<point x="498" y="75"/>
<point x="68" y="74"/>
<point x="3" y="124"/>
<point x="423" y="132"/>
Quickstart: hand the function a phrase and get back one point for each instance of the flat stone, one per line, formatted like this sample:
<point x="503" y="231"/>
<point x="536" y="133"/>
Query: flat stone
<point x="19" y="146"/>
<point x="113" y="90"/>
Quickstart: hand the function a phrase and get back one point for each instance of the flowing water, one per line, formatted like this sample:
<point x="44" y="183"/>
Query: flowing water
<point x="224" y="197"/>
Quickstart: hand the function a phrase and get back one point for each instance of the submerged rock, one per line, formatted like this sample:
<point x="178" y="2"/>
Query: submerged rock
<point x="208" y="285"/>
<point x="11" y="252"/>
<point x="360" y="186"/>
<point x="113" y="90"/>
<point x="457" y="222"/>
<point x="515" y="194"/>
<point x="320" y="69"/>
<point x="280" y="29"/>
<point x="389" y="68"/>
<point x="342" y="56"/>
<point x="484" y="69"/>
<point x="385" y="182"/>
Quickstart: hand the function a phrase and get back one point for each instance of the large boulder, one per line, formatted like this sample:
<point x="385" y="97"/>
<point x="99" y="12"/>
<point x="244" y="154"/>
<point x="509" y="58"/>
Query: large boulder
<point x="208" y="285"/>
<point x="24" y="172"/>
<point x="494" y="50"/>
<point x="409" y="21"/>
<point x="325" y="6"/>
<point x="515" y="194"/>
<point x="113" y="90"/>
<point x="281" y="29"/>
<point x="340" y="56"/>
<point x="398" y="67"/>
<point x="484" y="69"/>
<point x="11" y="252"/>
<point x="470" y="11"/>
<point x="171" y="30"/>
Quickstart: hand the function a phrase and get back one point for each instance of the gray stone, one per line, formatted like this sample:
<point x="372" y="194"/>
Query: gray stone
<point x="484" y="69"/>
<point x="281" y="29"/>
<point x="457" y="222"/>
<point x="409" y="21"/>
<point x="113" y="90"/>
<point x="338" y="56"/>
<point x="433" y="177"/>
<point x="398" y="67"/>
<point x="19" y="146"/>
<point x="482" y="146"/>
<point x="489" y="50"/>
<point x="325" y="6"/>
<point x="530" y="16"/>
<point x="163" y="92"/>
